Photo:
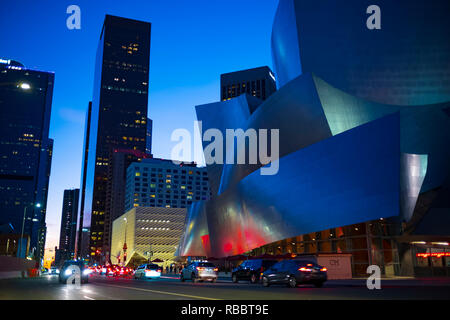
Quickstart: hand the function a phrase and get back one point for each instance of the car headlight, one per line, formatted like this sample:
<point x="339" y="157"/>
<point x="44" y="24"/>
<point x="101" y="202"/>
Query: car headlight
<point x="68" y="272"/>
<point x="57" y="270"/>
<point x="86" y="271"/>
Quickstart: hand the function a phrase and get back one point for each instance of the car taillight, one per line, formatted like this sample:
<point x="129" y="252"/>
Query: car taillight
<point x="200" y="268"/>
<point x="216" y="269"/>
<point x="303" y="269"/>
<point x="159" y="270"/>
<point x="323" y="269"/>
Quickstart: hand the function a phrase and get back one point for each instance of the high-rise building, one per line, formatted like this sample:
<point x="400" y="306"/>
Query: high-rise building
<point x="69" y="223"/>
<point x="258" y="82"/>
<point x="82" y="237"/>
<point x="118" y="117"/>
<point x="26" y="152"/>
<point x="161" y="183"/>
<point x="115" y="191"/>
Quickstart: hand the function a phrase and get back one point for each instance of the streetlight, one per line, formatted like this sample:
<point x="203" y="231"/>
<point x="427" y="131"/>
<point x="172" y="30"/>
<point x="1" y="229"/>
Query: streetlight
<point x="125" y="243"/>
<point x="37" y="205"/>
<point x="25" y="86"/>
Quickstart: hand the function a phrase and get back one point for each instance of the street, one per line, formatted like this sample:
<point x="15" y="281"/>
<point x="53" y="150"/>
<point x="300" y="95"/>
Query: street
<point x="170" y="288"/>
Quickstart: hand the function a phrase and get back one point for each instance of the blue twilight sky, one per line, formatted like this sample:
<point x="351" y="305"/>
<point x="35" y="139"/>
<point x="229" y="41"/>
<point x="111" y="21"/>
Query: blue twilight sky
<point x="193" y="42"/>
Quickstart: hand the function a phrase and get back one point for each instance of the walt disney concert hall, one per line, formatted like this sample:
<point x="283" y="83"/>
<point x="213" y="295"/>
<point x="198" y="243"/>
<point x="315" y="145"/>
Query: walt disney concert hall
<point x="364" y="143"/>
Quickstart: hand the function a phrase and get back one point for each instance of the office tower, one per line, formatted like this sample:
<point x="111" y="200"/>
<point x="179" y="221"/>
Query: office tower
<point x="82" y="237"/>
<point x="119" y="113"/>
<point x="115" y="191"/>
<point x="161" y="183"/>
<point x="26" y="151"/>
<point x="258" y="82"/>
<point x="69" y="223"/>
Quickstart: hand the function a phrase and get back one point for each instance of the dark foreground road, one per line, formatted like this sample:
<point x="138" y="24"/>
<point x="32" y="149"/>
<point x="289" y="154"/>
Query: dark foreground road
<point x="102" y="288"/>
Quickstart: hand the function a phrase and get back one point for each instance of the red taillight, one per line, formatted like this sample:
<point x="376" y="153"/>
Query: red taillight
<point x="323" y="269"/>
<point x="303" y="269"/>
<point x="216" y="269"/>
<point x="200" y="268"/>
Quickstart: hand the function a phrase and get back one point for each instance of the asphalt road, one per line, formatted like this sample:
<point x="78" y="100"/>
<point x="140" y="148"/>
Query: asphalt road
<point x="170" y="288"/>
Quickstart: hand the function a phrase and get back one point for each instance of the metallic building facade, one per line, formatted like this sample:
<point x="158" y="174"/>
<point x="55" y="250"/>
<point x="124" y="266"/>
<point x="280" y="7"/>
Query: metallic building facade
<point x="406" y="62"/>
<point x="363" y="127"/>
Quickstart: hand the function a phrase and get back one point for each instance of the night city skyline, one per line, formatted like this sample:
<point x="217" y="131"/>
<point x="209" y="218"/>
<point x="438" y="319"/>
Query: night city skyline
<point x="257" y="152"/>
<point x="179" y="79"/>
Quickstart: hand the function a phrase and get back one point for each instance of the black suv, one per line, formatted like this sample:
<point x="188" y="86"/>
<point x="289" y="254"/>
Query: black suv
<point x="251" y="270"/>
<point x="295" y="272"/>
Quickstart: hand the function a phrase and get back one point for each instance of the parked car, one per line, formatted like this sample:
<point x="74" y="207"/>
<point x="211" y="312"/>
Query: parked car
<point x="148" y="271"/>
<point x="251" y="270"/>
<point x="200" y="271"/>
<point x="295" y="272"/>
<point x="70" y="267"/>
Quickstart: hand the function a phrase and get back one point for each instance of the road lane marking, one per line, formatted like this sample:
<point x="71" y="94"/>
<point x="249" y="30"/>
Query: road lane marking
<point x="161" y="292"/>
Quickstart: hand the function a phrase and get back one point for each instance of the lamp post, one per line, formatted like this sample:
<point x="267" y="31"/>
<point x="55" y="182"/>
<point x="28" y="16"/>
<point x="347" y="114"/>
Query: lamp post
<point x="37" y="205"/>
<point x="125" y="243"/>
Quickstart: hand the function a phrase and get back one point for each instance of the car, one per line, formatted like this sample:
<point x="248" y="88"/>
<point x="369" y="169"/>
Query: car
<point x="200" y="271"/>
<point x="111" y="270"/>
<point x="53" y="271"/>
<point x="70" y="267"/>
<point x="295" y="272"/>
<point x="251" y="270"/>
<point x="121" y="271"/>
<point x="104" y="269"/>
<point x="148" y="271"/>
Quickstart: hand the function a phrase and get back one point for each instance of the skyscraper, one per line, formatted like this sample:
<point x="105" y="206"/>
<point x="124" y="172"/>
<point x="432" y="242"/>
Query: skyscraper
<point x="69" y="223"/>
<point x="82" y="237"/>
<point x="258" y="82"/>
<point x="115" y="191"/>
<point x="26" y="151"/>
<point x="119" y="114"/>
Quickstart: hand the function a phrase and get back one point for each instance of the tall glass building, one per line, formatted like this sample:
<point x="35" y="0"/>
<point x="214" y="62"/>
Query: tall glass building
<point x="68" y="223"/>
<point x="25" y="152"/>
<point x="258" y="82"/>
<point x="118" y="116"/>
